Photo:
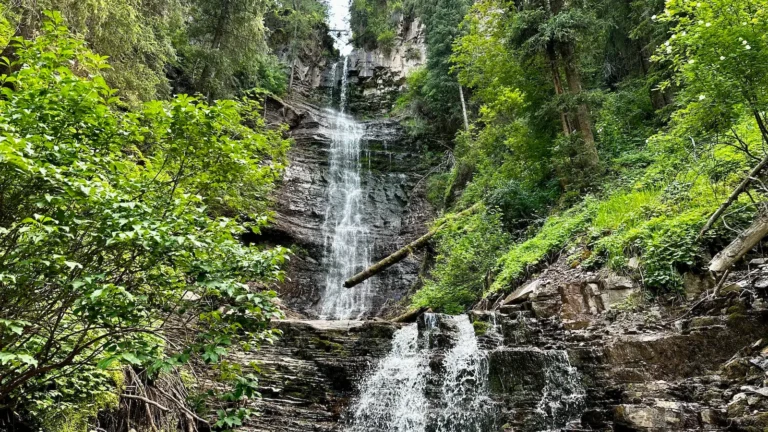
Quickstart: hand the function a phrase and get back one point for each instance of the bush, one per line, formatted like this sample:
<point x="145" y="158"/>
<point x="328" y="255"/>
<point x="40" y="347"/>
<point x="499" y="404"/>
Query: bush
<point x="112" y="229"/>
<point x="554" y="235"/>
<point x="467" y="250"/>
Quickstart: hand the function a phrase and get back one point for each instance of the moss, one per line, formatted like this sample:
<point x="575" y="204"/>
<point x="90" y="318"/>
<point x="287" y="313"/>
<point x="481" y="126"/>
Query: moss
<point x="330" y="346"/>
<point x="481" y="327"/>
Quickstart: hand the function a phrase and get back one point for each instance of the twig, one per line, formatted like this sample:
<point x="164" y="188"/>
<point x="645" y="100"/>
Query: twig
<point x="147" y="401"/>
<point x="181" y="406"/>
<point x="734" y="195"/>
<point x="720" y="284"/>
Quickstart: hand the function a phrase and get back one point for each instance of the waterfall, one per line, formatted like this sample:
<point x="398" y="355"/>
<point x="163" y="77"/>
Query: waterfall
<point x="563" y="395"/>
<point x="394" y="398"/>
<point x="346" y="236"/>
<point x="465" y="406"/>
<point x="344" y="86"/>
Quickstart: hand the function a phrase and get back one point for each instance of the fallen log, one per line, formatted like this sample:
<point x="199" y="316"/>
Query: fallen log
<point x="734" y="195"/>
<point x="410" y="316"/>
<point x="402" y="253"/>
<point x="742" y="244"/>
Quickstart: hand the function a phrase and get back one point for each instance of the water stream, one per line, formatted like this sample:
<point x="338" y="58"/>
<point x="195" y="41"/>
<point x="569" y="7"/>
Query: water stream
<point x="394" y="398"/>
<point x="347" y="240"/>
<point x="436" y="376"/>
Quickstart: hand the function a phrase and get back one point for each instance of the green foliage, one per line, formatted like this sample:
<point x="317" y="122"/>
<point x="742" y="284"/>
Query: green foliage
<point x="675" y="131"/>
<point x="437" y="185"/>
<point x="375" y="23"/>
<point x="719" y="54"/>
<point x="161" y="47"/>
<point x="117" y="227"/>
<point x="467" y="250"/>
<point x="432" y="98"/>
<point x="553" y="235"/>
<point x="135" y="35"/>
<point x="72" y="401"/>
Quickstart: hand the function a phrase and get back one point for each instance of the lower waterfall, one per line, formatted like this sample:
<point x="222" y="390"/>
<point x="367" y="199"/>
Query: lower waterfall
<point x="407" y="394"/>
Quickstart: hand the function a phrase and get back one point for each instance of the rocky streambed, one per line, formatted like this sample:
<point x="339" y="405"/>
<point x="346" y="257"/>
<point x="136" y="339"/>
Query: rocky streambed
<point x="561" y="357"/>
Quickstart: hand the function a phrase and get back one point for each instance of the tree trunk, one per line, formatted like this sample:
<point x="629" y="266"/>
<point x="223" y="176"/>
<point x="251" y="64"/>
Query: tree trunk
<point x="742" y="244"/>
<point x="589" y="150"/>
<point x="553" y="64"/>
<point x="402" y="253"/>
<point x="410" y="316"/>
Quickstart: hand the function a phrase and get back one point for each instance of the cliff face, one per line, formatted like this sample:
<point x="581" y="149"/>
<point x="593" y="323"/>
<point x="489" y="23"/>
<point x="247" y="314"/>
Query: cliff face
<point x="563" y="356"/>
<point x="392" y="166"/>
<point x="394" y="206"/>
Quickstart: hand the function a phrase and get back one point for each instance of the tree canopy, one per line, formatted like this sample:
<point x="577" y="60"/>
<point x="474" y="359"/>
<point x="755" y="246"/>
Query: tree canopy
<point x="120" y="228"/>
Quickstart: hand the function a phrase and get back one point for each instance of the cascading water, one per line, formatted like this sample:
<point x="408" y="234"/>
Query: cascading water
<point x="348" y="245"/>
<point x="465" y="406"/>
<point x="394" y="397"/>
<point x="563" y="395"/>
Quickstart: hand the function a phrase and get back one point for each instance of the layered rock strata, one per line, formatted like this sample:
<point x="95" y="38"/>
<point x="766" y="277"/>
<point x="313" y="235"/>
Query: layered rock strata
<point x="394" y="205"/>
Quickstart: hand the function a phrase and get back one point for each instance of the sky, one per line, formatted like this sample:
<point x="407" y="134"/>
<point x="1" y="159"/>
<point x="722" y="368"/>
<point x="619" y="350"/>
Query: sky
<point x="338" y="19"/>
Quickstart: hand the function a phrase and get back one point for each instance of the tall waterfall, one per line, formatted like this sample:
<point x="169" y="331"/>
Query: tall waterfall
<point x="347" y="241"/>
<point x="394" y="397"/>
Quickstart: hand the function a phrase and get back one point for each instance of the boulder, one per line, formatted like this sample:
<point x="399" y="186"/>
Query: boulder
<point x="658" y="416"/>
<point x="523" y="293"/>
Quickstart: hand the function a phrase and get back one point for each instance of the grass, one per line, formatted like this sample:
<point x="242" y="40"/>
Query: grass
<point x="556" y="232"/>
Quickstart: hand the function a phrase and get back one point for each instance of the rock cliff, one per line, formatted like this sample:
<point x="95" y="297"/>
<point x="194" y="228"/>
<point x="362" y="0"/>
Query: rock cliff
<point x="395" y="207"/>
<point x="614" y="369"/>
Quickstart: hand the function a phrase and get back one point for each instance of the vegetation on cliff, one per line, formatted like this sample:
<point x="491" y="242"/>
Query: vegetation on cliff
<point x="119" y="236"/>
<point x="602" y="130"/>
<point x="164" y="47"/>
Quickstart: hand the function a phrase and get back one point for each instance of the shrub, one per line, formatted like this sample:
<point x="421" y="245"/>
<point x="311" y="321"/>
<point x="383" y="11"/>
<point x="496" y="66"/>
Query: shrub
<point x="467" y="250"/>
<point x="112" y="229"/>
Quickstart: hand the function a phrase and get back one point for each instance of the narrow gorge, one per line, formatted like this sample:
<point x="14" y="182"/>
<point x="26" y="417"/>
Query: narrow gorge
<point x="383" y="216"/>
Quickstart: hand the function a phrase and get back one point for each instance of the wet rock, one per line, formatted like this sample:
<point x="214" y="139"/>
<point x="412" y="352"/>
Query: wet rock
<point x="659" y="416"/>
<point x="396" y="213"/>
<point x="312" y="371"/>
<point x="540" y="388"/>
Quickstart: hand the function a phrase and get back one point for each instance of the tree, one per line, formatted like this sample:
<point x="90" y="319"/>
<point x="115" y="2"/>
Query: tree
<point x="552" y="29"/>
<point x="134" y="34"/>
<point x="719" y="53"/>
<point x="112" y="234"/>
<point x="225" y="51"/>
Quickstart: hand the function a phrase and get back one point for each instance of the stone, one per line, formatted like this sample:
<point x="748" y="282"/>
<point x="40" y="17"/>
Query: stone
<point x="758" y="261"/>
<point x="705" y="321"/>
<point x="731" y="288"/>
<point x="694" y="284"/>
<point x="613" y="281"/>
<point x="761" y="283"/>
<point x="711" y="417"/>
<point x="662" y="415"/>
<point x="634" y="263"/>
<point x="523" y="293"/>
<point x="546" y="308"/>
